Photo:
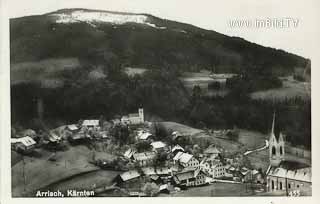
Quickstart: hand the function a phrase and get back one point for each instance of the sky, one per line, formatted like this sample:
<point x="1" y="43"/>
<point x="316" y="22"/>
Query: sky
<point x="217" y="15"/>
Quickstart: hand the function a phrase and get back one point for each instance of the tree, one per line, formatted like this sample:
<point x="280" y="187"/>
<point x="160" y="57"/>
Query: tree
<point x="150" y="189"/>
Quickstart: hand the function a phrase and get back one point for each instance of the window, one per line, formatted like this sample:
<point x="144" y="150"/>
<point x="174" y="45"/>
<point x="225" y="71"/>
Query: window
<point x="280" y="185"/>
<point x="289" y="185"/>
<point x="298" y="186"/>
<point x="281" y="150"/>
<point x="272" y="185"/>
<point x="273" y="150"/>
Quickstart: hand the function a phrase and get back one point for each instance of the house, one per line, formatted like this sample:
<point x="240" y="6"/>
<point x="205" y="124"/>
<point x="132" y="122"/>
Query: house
<point x="72" y="128"/>
<point x="78" y="137"/>
<point x="133" y="118"/>
<point x="144" y="135"/>
<point x="164" y="189"/>
<point x="212" y="152"/>
<point x="285" y="180"/>
<point x="186" y="160"/>
<point x="145" y="158"/>
<point x="158" y="146"/>
<point x="176" y="135"/>
<point x="164" y="172"/>
<point x="52" y="138"/>
<point x="23" y="144"/>
<point x="129" y="153"/>
<point x="213" y="167"/>
<point x="129" y="179"/>
<point x="177" y="149"/>
<point x="190" y="177"/>
<point x="89" y="124"/>
<point x="257" y="177"/>
<point x="246" y="175"/>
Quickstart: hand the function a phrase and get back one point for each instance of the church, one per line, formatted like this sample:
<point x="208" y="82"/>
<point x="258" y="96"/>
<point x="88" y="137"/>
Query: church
<point x="285" y="176"/>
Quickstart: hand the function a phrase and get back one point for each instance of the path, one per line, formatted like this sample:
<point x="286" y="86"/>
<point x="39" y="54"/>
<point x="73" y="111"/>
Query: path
<point x="259" y="149"/>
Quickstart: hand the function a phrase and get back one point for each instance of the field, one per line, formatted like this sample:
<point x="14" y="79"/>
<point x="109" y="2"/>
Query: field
<point x="42" y="71"/>
<point x="183" y="129"/>
<point x="40" y="172"/>
<point x="291" y="88"/>
<point x="215" y="189"/>
<point x="86" y="181"/>
<point x="202" y="79"/>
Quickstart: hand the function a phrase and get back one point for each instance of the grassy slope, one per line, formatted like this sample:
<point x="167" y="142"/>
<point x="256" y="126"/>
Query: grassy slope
<point x="40" y="172"/>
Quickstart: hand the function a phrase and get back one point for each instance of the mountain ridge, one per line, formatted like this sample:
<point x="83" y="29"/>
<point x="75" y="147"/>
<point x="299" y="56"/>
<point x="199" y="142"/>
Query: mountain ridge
<point x="181" y="44"/>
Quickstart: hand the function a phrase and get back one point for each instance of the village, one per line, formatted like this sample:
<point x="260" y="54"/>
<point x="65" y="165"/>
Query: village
<point x="149" y="159"/>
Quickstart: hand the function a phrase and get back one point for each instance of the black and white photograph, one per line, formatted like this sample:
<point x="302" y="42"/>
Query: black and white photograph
<point x="160" y="98"/>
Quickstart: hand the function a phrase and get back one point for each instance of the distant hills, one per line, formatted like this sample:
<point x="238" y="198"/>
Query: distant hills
<point x="142" y="40"/>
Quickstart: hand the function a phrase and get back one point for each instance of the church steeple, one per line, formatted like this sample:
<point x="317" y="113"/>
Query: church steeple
<point x="276" y="146"/>
<point x="273" y="121"/>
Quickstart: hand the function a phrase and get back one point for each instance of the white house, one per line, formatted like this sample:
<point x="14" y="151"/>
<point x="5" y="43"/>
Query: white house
<point x="158" y="145"/>
<point x="186" y="160"/>
<point x="90" y="124"/>
<point x="23" y="143"/>
<point x="213" y="167"/>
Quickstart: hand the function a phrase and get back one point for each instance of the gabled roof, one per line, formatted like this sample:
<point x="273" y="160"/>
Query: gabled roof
<point x="183" y="157"/>
<point x="26" y="141"/>
<point x="164" y="187"/>
<point x="129" y="153"/>
<point x="144" y="135"/>
<point x="303" y="174"/>
<point x="54" y="137"/>
<point x="144" y="156"/>
<point x="158" y="144"/>
<point x="133" y="115"/>
<point x="90" y="123"/>
<point x="177" y="147"/>
<point x="184" y="175"/>
<point x="72" y="127"/>
<point x="129" y="175"/>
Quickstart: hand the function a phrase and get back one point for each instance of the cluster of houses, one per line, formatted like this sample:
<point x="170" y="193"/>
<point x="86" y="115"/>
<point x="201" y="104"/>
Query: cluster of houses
<point x="27" y="140"/>
<point x="181" y="169"/>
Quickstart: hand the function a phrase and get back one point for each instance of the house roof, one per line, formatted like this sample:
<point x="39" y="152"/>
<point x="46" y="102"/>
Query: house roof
<point x="158" y="144"/>
<point x="144" y="156"/>
<point x="90" y="123"/>
<point x="154" y="177"/>
<point x="162" y="171"/>
<point x="54" y="137"/>
<point x="72" y="127"/>
<point x="144" y="135"/>
<point x="183" y="157"/>
<point x="133" y="115"/>
<point x="27" y="141"/>
<point x="129" y="153"/>
<point x="184" y="175"/>
<point x="303" y="174"/>
<point x="164" y="187"/>
<point x="129" y="175"/>
<point x="148" y="171"/>
<point x="177" y="147"/>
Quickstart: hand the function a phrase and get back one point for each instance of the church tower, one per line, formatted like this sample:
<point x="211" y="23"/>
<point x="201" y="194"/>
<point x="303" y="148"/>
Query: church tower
<point x="141" y="115"/>
<point x="276" y="146"/>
